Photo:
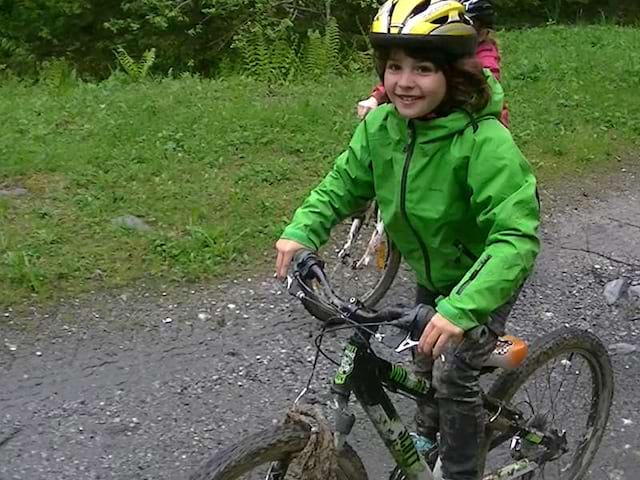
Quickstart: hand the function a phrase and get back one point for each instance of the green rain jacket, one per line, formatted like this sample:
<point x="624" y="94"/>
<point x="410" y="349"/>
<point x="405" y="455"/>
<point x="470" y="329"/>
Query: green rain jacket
<point x="457" y="198"/>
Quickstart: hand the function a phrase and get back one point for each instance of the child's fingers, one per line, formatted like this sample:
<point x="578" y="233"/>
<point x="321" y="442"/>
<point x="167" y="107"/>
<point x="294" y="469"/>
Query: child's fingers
<point x="284" y="264"/>
<point x="427" y="340"/>
<point x="441" y="345"/>
<point x="280" y="265"/>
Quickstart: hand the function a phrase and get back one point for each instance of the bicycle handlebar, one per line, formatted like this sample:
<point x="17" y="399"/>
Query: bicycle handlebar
<point x="308" y="267"/>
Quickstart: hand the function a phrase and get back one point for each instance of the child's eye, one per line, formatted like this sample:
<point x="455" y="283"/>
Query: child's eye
<point x="394" y="67"/>
<point x="425" y="69"/>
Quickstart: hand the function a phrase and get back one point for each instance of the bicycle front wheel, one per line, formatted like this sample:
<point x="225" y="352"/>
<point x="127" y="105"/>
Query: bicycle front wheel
<point x="565" y="390"/>
<point x="252" y="457"/>
<point x="366" y="269"/>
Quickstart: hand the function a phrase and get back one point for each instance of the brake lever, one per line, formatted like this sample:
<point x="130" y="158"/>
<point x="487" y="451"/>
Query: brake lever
<point x="293" y="287"/>
<point x="406" y="344"/>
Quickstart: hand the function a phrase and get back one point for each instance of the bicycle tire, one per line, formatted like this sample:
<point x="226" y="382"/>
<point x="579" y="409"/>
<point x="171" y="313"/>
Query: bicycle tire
<point x="279" y="443"/>
<point x="548" y="347"/>
<point x="373" y="296"/>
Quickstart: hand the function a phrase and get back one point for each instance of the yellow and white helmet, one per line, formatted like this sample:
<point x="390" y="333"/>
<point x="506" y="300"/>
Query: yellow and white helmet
<point x="425" y="24"/>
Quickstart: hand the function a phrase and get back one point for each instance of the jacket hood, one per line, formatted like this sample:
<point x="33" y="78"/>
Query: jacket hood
<point x="457" y="121"/>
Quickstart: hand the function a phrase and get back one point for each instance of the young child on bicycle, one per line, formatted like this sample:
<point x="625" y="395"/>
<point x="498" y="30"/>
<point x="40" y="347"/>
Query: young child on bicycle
<point x="457" y="198"/>
<point x="483" y="17"/>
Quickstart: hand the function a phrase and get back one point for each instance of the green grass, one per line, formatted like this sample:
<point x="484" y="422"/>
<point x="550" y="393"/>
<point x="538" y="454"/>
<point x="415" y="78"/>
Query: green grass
<point x="217" y="167"/>
<point x="573" y="93"/>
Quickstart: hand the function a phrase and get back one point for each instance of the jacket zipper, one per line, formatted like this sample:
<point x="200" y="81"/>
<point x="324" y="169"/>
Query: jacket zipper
<point x="465" y="251"/>
<point x="473" y="275"/>
<point x="403" y="199"/>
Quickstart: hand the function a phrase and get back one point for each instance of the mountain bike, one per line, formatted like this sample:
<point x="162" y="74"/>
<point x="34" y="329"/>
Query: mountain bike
<point x="363" y="259"/>
<point x="530" y="440"/>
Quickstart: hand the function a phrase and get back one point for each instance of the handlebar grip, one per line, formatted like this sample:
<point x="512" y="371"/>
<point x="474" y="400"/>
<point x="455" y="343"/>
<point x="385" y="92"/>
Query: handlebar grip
<point x="416" y="321"/>
<point x="420" y="323"/>
<point x="304" y="261"/>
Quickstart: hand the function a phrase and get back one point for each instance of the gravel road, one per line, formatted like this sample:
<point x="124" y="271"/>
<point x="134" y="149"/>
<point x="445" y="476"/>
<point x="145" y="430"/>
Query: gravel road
<point x="146" y="383"/>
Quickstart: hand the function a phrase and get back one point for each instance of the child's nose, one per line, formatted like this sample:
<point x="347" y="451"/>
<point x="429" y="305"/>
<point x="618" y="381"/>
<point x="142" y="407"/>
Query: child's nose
<point x="406" y="79"/>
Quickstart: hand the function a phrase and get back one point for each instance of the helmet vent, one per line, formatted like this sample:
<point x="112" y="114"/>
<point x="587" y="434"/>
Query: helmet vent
<point x="441" y="20"/>
<point x="390" y="16"/>
<point x="420" y="8"/>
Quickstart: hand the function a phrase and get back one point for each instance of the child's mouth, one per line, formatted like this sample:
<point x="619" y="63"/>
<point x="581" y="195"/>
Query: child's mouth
<point x="408" y="99"/>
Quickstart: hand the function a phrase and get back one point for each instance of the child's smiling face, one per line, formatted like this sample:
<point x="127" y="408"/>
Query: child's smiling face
<point x="415" y="87"/>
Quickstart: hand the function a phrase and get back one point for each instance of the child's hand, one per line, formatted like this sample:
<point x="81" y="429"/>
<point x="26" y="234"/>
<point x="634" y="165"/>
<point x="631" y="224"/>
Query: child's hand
<point x="286" y="250"/>
<point x="437" y="335"/>
<point x="365" y="106"/>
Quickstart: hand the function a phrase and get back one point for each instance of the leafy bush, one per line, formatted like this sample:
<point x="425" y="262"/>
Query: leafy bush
<point x="215" y="167"/>
<point x="199" y="35"/>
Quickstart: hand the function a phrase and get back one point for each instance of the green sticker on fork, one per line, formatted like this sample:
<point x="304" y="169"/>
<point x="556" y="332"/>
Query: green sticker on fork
<point x="346" y="366"/>
<point x="533" y="438"/>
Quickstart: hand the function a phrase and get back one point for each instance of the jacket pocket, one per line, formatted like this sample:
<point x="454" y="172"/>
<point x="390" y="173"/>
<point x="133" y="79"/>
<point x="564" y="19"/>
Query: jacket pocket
<point x="473" y="275"/>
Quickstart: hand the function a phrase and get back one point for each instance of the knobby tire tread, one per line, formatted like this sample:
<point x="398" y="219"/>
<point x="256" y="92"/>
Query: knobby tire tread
<point x="273" y="444"/>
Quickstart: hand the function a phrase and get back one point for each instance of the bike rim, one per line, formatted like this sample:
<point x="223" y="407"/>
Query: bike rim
<point x="565" y="394"/>
<point x="350" y="276"/>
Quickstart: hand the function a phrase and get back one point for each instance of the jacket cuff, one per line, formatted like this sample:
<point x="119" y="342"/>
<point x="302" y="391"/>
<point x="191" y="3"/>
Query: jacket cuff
<point x="297" y="236"/>
<point x="460" y="318"/>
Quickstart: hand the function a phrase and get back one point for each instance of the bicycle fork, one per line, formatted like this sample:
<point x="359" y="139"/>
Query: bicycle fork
<point x="393" y="432"/>
<point x="376" y="403"/>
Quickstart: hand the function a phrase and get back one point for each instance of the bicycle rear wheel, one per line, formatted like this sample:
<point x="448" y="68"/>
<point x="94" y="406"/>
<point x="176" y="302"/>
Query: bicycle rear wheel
<point x="565" y="385"/>
<point x="364" y="272"/>
<point x="252" y="457"/>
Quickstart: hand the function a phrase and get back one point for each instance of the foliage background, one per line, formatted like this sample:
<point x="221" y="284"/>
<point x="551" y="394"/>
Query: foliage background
<point x="210" y="36"/>
<point x="215" y="167"/>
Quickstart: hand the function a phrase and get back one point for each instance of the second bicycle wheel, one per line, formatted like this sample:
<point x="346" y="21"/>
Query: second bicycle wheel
<point x="565" y="390"/>
<point x="367" y="268"/>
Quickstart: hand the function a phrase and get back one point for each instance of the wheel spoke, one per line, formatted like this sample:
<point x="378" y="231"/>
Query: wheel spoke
<point x="366" y="272"/>
<point x="560" y="382"/>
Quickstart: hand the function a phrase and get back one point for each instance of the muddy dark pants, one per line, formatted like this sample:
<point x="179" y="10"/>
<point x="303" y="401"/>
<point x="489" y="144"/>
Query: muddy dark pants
<point x="456" y="408"/>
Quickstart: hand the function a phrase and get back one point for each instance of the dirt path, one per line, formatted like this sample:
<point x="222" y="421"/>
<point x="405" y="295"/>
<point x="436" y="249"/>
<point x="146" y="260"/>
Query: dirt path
<point x="145" y="385"/>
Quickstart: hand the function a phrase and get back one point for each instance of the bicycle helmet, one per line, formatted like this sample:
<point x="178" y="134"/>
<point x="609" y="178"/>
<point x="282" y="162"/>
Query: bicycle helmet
<point x="480" y="12"/>
<point x="438" y="25"/>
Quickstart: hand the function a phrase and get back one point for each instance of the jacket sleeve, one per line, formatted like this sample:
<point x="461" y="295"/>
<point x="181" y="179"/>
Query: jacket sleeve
<point x="505" y="204"/>
<point x="347" y="188"/>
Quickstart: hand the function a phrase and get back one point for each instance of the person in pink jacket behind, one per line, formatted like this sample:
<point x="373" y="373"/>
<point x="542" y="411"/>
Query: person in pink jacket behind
<point x="483" y="16"/>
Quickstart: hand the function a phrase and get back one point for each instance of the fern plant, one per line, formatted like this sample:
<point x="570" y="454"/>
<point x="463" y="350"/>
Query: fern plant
<point x="322" y="52"/>
<point x="135" y="70"/>
<point x="274" y="54"/>
<point x="57" y="74"/>
<point x="16" y="56"/>
<point x="332" y="45"/>
<point x="267" y="53"/>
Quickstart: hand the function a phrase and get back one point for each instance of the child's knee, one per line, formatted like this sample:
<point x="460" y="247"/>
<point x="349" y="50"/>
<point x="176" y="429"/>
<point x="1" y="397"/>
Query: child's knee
<point x="454" y="380"/>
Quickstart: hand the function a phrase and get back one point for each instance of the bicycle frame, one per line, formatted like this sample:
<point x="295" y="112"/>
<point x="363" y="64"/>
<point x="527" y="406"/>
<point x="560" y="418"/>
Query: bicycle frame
<point x="366" y="375"/>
